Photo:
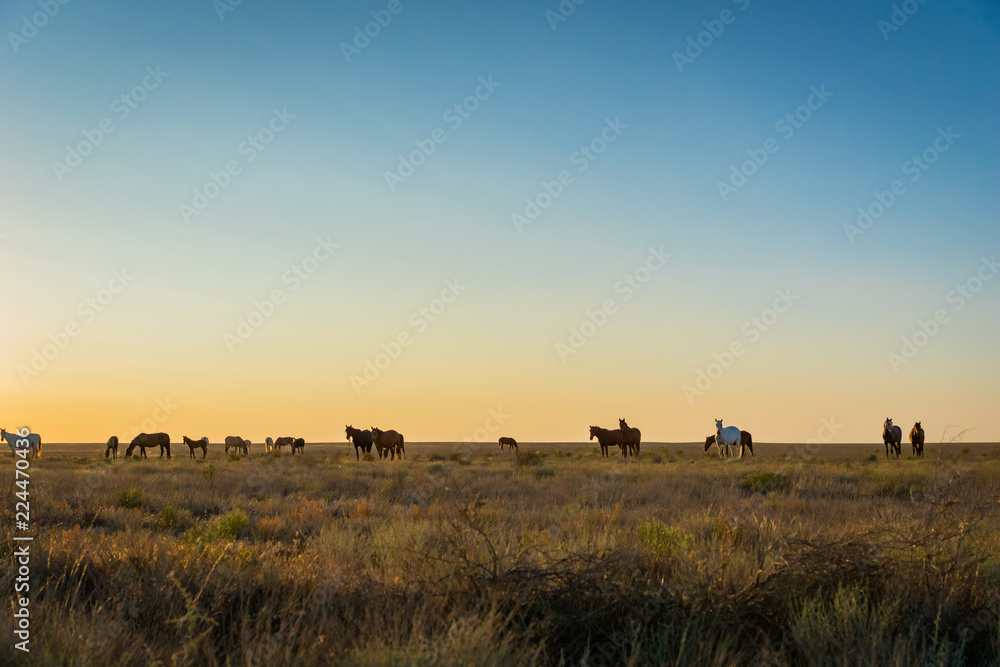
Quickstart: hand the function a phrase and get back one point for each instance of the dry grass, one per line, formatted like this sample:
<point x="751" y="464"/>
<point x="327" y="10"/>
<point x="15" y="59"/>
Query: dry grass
<point x="556" y="558"/>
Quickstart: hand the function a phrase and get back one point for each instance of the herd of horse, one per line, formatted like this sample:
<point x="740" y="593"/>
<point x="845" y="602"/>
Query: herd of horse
<point x="389" y="444"/>
<point x="239" y="445"/>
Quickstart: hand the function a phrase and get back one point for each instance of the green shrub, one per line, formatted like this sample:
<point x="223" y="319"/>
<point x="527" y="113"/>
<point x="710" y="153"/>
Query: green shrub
<point x="660" y="541"/>
<point x="765" y="482"/>
<point x="132" y="498"/>
<point x="225" y="527"/>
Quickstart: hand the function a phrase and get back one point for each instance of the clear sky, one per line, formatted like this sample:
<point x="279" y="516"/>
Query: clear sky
<point x="457" y="192"/>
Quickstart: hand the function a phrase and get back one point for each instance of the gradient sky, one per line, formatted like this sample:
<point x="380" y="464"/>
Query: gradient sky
<point x="162" y="339"/>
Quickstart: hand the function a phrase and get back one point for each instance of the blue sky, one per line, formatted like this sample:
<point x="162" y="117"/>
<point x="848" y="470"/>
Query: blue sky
<point x="656" y="185"/>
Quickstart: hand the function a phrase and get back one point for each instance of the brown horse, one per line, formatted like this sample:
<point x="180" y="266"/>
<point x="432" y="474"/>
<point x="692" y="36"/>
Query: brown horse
<point x="917" y="439"/>
<point x="112" y="447"/>
<point x="236" y="443"/>
<point x="299" y="444"/>
<point x="607" y="438"/>
<point x="510" y="442"/>
<point x="892" y="436"/>
<point x="388" y="443"/>
<point x="630" y="436"/>
<point x="362" y="440"/>
<point x="279" y="443"/>
<point x="144" y="440"/>
<point x="196" y="444"/>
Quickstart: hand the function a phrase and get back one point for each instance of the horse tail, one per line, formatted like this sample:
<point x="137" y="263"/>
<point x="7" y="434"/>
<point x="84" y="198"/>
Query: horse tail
<point x="402" y="449"/>
<point x="750" y="444"/>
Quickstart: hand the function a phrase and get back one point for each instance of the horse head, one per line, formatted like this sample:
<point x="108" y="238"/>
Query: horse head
<point x="709" y="441"/>
<point x="718" y="425"/>
<point x="888" y="424"/>
<point x="593" y="432"/>
<point x="621" y="424"/>
<point x="917" y="425"/>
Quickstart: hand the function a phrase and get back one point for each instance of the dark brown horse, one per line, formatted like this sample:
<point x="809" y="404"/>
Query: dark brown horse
<point x="112" y="447"/>
<point x="144" y="440"/>
<point x="917" y="439"/>
<point x="237" y="444"/>
<point x="607" y="438"/>
<point x="362" y="440"/>
<point x="892" y="436"/>
<point x="630" y="437"/>
<point x="510" y="442"/>
<point x="198" y="444"/>
<point x="298" y="444"/>
<point x="388" y="443"/>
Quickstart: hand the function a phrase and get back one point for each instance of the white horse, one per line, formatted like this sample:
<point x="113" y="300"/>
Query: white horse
<point x="729" y="438"/>
<point x="34" y="442"/>
<point x="268" y="444"/>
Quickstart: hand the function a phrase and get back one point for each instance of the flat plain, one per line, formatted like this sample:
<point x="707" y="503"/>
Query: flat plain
<point x="461" y="554"/>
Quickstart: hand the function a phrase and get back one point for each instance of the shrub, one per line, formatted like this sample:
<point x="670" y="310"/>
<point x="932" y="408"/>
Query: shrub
<point x="132" y="498"/>
<point x="765" y="482"/>
<point x="225" y="527"/>
<point x="541" y="473"/>
<point x="660" y="541"/>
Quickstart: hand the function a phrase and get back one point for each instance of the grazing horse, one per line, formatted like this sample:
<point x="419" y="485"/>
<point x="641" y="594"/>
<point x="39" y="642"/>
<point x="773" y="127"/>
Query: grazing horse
<point x="917" y="439"/>
<point x="362" y="440"/>
<point x="746" y="442"/>
<point x="892" y="436"/>
<point x="272" y="445"/>
<point x="607" y="438"/>
<point x="112" y="447"/>
<point x="728" y="437"/>
<point x="510" y="442"/>
<point x="144" y="440"/>
<point x="630" y="436"/>
<point x="34" y="442"/>
<point x="201" y="443"/>
<point x="238" y="444"/>
<point x="723" y="451"/>
<point x="390" y="442"/>
<point x="299" y="444"/>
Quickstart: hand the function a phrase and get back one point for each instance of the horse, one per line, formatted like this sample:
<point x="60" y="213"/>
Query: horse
<point x="144" y="440"/>
<point x="510" y="442"/>
<point x="728" y="436"/>
<point x="201" y="443"/>
<point x="272" y="445"/>
<point x="238" y="444"/>
<point x="607" y="438"/>
<point x="362" y="440"/>
<point x="746" y="442"/>
<point x="34" y="442"/>
<point x="917" y="439"/>
<point x="630" y="436"/>
<point x="299" y="444"/>
<point x="892" y="436"/>
<point x="390" y="442"/>
<point x="112" y="447"/>
<point x="723" y="451"/>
